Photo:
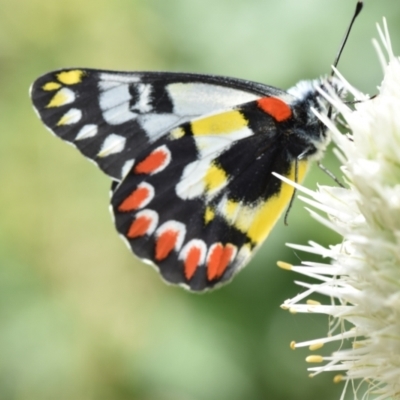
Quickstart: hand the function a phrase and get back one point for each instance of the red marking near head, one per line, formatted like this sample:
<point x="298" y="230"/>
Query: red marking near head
<point x="165" y="243"/>
<point x="192" y="261"/>
<point x="139" y="227"/>
<point x="219" y="259"/>
<point x="155" y="162"/>
<point x="275" y="107"/>
<point x="138" y="198"/>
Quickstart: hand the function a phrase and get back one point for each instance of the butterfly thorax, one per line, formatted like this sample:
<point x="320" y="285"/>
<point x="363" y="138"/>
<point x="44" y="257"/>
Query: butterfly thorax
<point x="312" y="136"/>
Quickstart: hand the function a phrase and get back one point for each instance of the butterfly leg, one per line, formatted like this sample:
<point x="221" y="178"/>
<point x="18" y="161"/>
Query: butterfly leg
<point x="296" y="179"/>
<point x="330" y="174"/>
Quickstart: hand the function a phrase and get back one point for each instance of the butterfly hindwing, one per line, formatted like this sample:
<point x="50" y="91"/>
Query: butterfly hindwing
<point x="199" y="200"/>
<point x="112" y="116"/>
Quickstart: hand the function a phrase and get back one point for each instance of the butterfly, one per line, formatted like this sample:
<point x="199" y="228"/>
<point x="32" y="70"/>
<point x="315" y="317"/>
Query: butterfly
<point x="190" y="157"/>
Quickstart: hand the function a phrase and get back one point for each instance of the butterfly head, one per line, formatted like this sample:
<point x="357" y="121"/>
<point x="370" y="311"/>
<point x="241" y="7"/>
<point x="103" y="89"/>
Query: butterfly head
<point x="308" y="99"/>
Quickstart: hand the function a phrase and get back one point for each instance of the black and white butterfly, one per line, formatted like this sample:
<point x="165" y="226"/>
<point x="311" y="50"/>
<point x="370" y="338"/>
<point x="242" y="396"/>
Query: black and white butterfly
<point x="190" y="157"/>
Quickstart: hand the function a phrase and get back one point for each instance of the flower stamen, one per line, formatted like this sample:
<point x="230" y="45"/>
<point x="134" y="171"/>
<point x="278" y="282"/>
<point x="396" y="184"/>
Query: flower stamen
<point x="362" y="279"/>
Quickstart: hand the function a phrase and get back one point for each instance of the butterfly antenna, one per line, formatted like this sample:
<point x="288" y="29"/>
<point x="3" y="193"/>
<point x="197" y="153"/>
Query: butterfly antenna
<point x="357" y="11"/>
<point x="359" y="7"/>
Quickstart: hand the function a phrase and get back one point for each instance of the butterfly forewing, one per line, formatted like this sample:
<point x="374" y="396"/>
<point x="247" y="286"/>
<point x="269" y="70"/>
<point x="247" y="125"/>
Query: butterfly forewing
<point x="111" y="116"/>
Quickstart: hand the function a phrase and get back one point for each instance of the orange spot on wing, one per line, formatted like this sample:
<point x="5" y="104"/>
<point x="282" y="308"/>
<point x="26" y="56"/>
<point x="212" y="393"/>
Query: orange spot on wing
<point x="275" y="107"/>
<point x="152" y="162"/>
<point x="134" y="200"/>
<point x="226" y="258"/>
<point x="218" y="260"/>
<point x="192" y="261"/>
<point x="165" y="244"/>
<point x="139" y="227"/>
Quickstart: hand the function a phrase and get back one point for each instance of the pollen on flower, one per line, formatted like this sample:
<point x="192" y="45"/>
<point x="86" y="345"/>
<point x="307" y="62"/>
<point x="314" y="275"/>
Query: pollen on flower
<point x="284" y="265"/>
<point x="362" y="280"/>
<point x="338" y="378"/>
<point x="314" y="359"/>
<point x="315" y="346"/>
<point x="311" y="302"/>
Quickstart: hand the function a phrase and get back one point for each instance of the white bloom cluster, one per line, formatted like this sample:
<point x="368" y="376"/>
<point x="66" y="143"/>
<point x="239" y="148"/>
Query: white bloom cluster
<point x="362" y="280"/>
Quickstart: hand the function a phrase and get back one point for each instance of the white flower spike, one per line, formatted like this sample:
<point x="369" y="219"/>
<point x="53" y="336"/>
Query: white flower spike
<point x="362" y="281"/>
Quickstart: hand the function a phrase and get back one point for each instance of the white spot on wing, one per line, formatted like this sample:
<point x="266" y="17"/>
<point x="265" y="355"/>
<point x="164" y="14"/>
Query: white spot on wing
<point x="192" y="184"/>
<point x="120" y="78"/>
<point x="127" y="167"/>
<point x="243" y="256"/>
<point x="114" y="97"/>
<point x="68" y="94"/>
<point x="112" y="144"/>
<point x="215" y="144"/>
<point x="157" y="125"/>
<point x="106" y="85"/>
<point x="144" y="94"/>
<point x="119" y="115"/>
<point x="87" y="131"/>
<point x="194" y="99"/>
<point x="115" y="105"/>
<point x="72" y="116"/>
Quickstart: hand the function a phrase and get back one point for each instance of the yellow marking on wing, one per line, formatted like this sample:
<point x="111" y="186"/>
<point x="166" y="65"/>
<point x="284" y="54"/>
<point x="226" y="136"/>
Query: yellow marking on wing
<point x="49" y="86"/>
<point x="58" y="100"/>
<point x="209" y="215"/>
<point x="231" y="209"/>
<point x="70" y="77"/>
<point x="64" y="120"/>
<point x="177" y="133"/>
<point x="219" y="124"/>
<point x="214" y="178"/>
<point x="265" y="216"/>
<point x="245" y="217"/>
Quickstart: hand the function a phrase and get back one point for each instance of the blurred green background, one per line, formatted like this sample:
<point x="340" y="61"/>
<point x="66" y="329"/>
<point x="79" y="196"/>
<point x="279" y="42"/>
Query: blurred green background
<point x="82" y="319"/>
